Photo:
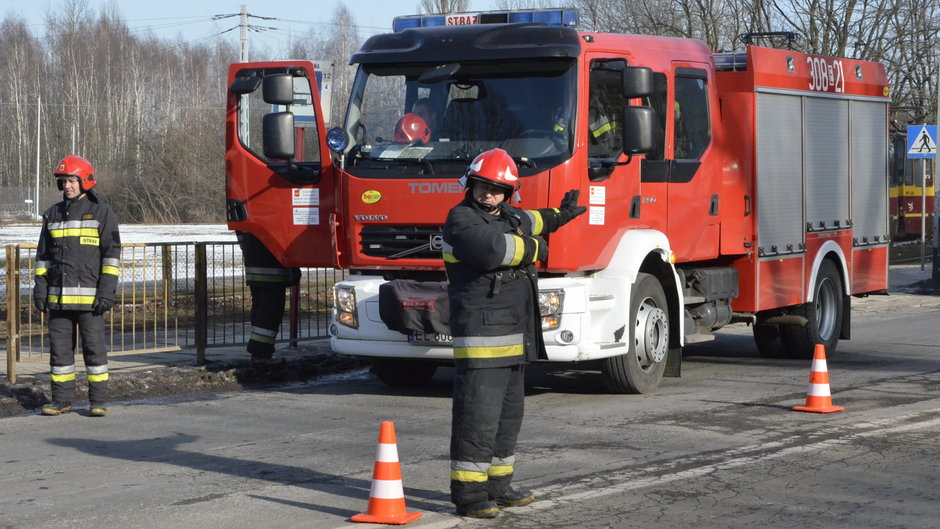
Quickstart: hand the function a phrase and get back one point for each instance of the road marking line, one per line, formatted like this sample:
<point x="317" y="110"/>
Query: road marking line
<point x="633" y="484"/>
<point x="767" y="451"/>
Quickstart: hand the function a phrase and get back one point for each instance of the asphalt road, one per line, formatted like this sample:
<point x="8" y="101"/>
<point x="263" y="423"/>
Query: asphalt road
<point x="719" y="447"/>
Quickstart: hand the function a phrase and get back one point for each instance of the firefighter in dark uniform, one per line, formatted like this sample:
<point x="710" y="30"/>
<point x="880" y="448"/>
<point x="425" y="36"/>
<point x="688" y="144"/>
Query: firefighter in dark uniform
<point x="267" y="280"/>
<point x="490" y="250"/>
<point x="77" y="266"/>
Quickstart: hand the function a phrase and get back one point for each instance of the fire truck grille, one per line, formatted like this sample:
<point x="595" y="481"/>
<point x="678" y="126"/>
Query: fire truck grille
<point x="399" y="242"/>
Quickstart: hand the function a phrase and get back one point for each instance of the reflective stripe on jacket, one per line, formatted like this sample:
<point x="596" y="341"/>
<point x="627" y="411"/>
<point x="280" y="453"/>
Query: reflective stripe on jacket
<point x="78" y="257"/>
<point x="261" y="267"/>
<point x="493" y="285"/>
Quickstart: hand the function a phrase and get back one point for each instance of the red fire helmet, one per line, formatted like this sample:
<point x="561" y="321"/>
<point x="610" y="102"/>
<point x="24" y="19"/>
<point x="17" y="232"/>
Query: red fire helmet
<point x="495" y="167"/>
<point x="74" y="165"/>
<point x="412" y="127"/>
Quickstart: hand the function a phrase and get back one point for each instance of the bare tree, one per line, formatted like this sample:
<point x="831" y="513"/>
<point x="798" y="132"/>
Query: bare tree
<point x="444" y="6"/>
<point x="19" y="97"/>
<point x="149" y="113"/>
<point x="336" y="45"/>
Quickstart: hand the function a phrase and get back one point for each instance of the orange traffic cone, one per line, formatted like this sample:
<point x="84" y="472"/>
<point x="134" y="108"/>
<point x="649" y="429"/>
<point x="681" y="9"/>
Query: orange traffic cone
<point x="387" y="498"/>
<point x="818" y="399"/>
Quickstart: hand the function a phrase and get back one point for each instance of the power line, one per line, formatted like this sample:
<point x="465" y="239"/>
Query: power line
<point x="162" y="24"/>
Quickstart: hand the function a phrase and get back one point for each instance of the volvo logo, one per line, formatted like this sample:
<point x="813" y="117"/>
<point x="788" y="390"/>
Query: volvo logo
<point x="437" y="242"/>
<point x="370" y="217"/>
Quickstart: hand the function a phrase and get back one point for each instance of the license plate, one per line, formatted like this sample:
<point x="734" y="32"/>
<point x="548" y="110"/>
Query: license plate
<point x="433" y="338"/>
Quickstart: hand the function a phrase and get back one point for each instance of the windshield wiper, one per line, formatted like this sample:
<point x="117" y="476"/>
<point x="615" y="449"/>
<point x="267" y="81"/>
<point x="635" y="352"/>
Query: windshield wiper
<point x="424" y="162"/>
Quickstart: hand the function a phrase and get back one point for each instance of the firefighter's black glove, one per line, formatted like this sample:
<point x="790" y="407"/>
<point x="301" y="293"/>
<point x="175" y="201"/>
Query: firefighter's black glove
<point x="569" y="207"/>
<point x="101" y="305"/>
<point x="543" y="248"/>
<point x="40" y="303"/>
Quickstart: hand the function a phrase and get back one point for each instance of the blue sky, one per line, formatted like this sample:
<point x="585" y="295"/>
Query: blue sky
<point x="192" y="19"/>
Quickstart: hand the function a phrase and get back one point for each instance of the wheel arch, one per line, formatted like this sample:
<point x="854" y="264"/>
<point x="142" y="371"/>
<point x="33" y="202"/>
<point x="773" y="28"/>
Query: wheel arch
<point x="649" y="251"/>
<point x="665" y="272"/>
<point x="831" y="251"/>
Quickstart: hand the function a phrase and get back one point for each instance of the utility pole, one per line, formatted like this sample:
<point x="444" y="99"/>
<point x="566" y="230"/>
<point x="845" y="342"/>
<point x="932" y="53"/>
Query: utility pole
<point x="936" y="199"/>
<point x="243" y="57"/>
<point x="38" y="130"/>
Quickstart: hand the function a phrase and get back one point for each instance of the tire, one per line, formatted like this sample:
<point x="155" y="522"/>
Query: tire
<point x="769" y="340"/>
<point x="823" y="316"/>
<point x="641" y="369"/>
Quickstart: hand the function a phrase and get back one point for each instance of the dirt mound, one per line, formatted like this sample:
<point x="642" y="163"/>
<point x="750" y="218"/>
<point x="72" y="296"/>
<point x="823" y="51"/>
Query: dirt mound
<point x="31" y="393"/>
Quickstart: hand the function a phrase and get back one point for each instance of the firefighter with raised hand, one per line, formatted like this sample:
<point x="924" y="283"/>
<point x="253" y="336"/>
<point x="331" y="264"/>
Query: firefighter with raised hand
<point x="490" y="250"/>
<point x="77" y="266"/>
<point x="267" y="280"/>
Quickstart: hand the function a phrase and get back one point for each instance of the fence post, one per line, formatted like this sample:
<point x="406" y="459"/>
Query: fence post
<point x="202" y="304"/>
<point x="167" y="266"/>
<point x="13" y="311"/>
<point x="294" y="314"/>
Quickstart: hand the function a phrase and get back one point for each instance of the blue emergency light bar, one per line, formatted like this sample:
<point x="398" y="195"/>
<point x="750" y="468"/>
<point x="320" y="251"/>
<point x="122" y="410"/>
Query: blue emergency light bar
<point x="552" y="17"/>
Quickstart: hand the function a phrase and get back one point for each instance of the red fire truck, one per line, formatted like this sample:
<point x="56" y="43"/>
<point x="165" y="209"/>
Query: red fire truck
<point x="746" y="187"/>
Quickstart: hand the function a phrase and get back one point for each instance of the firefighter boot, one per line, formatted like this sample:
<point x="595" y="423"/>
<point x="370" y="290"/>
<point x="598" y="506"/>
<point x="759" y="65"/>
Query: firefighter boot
<point x="56" y="408"/>
<point x="97" y="410"/>
<point x="501" y="492"/>
<point x="470" y="499"/>
<point x="266" y="362"/>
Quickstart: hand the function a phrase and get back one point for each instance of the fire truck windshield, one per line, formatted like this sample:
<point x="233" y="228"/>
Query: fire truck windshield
<point x="399" y="124"/>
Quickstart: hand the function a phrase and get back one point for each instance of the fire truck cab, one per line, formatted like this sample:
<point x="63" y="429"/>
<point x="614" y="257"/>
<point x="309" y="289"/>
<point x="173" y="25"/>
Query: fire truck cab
<point x="721" y="187"/>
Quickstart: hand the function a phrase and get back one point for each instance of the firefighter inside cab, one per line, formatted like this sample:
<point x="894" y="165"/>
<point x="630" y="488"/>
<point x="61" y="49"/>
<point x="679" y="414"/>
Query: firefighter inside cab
<point x="78" y="261"/>
<point x="490" y="249"/>
<point x="412" y="129"/>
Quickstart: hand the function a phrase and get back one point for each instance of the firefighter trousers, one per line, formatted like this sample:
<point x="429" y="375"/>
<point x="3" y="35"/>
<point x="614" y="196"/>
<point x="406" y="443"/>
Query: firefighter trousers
<point x="267" y="311"/>
<point x="63" y="343"/>
<point x="487" y="415"/>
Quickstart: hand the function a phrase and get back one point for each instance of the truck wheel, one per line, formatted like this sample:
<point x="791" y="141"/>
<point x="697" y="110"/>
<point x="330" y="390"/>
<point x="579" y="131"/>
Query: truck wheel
<point x="769" y="340"/>
<point x="823" y="316"/>
<point x="403" y="372"/>
<point x="641" y="369"/>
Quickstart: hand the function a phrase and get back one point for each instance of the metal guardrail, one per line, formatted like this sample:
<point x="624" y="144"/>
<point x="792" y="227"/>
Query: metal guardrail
<point x="170" y="296"/>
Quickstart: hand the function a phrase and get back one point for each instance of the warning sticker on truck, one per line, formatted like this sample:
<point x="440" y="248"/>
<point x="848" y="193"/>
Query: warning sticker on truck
<point x="596" y="215"/>
<point x="306" y="216"/>
<point x="305" y="196"/>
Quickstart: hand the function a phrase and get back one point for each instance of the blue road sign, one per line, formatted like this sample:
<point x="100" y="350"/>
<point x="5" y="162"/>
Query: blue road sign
<point x="922" y="141"/>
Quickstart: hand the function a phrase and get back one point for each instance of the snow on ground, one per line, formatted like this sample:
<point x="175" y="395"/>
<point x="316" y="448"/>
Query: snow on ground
<point x="131" y="233"/>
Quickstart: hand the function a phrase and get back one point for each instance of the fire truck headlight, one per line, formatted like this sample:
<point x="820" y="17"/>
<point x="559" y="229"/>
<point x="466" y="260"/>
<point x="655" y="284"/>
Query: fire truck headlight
<point x="345" y="302"/>
<point x="550" y="304"/>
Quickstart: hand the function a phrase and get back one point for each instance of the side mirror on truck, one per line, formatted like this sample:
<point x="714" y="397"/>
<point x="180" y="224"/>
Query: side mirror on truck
<point x="277" y="135"/>
<point x="636" y="81"/>
<point x="278" y="89"/>
<point x="638" y="126"/>
<point x="278" y="139"/>
<point x="277" y="128"/>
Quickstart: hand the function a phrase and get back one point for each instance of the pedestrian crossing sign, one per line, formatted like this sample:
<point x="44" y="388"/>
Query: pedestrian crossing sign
<point x="922" y="141"/>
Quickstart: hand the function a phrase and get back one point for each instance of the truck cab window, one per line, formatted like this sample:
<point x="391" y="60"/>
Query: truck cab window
<point x="692" y="130"/>
<point x="523" y="107"/>
<point x="252" y="108"/>
<point x="657" y="101"/>
<point x="606" y="102"/>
